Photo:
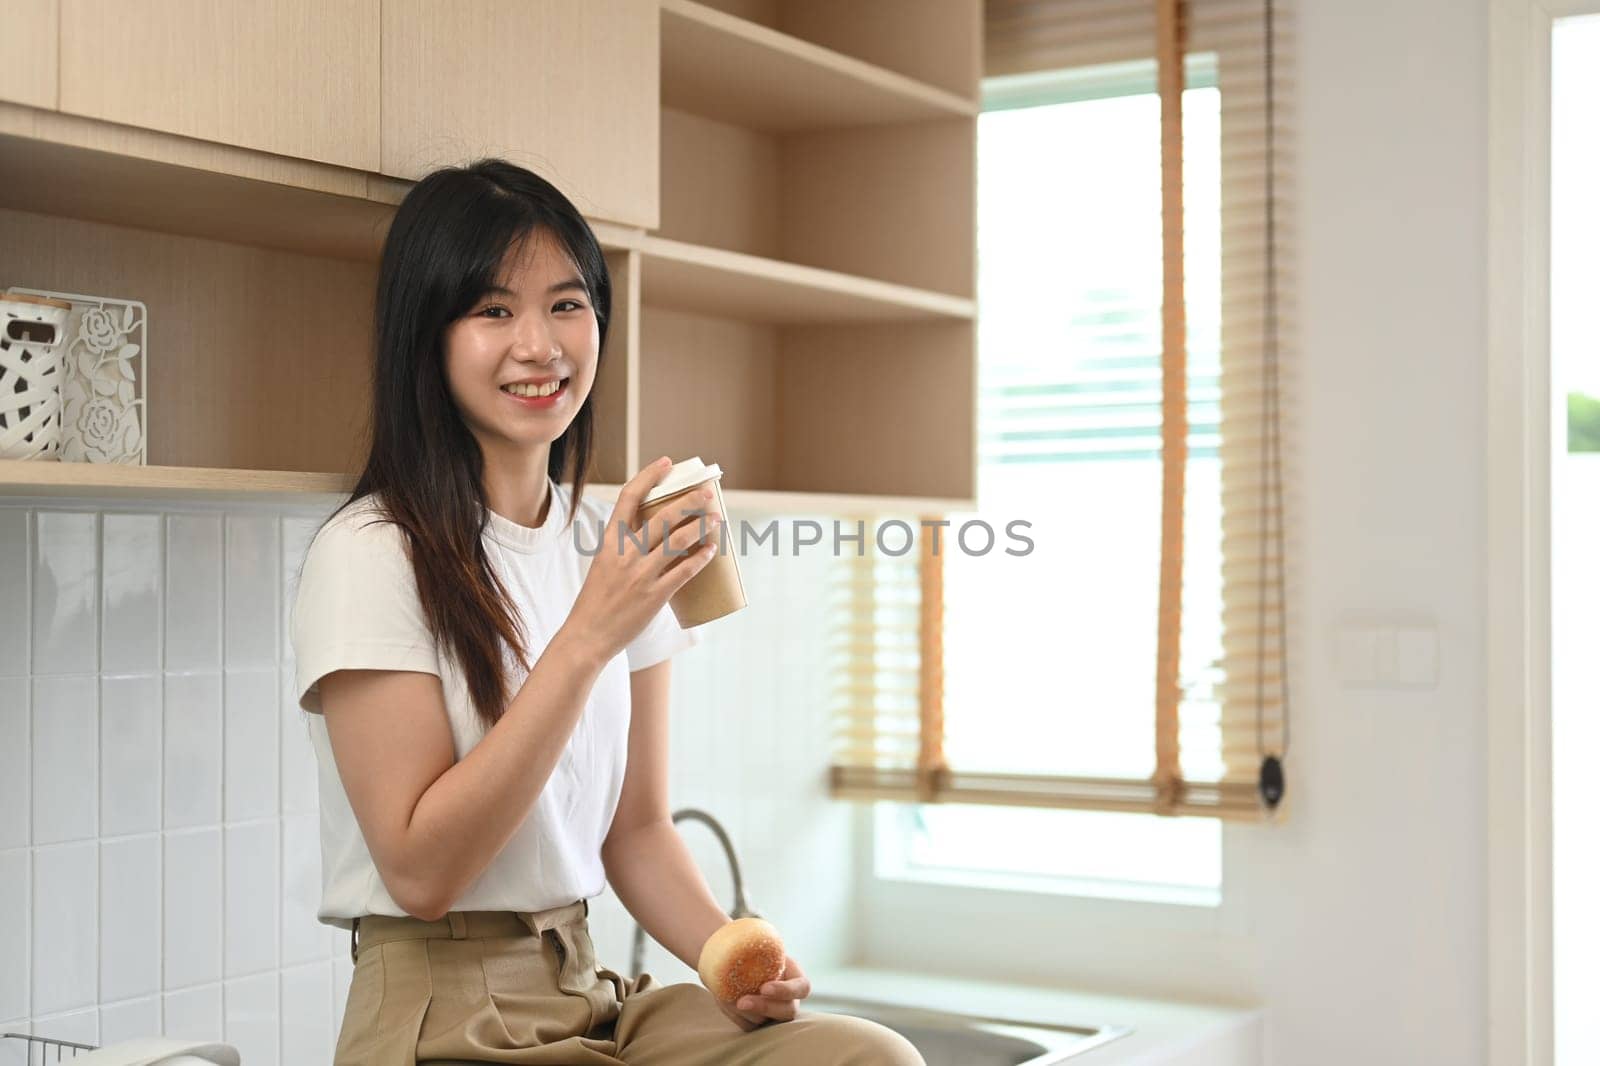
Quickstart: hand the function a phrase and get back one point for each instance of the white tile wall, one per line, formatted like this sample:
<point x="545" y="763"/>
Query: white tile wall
<point x="196" y="1014"/>
<point x="15" y="625"/>
<point x="65" y="924"/>
<point x="191" y="908"/>
<point x="250" y="1016"/>
<point x="250" y="624"/>
<point x="65" y="759"/>
<point x="250" y="860"/>
<point x="16" y="917"/>
<point x="130" y="594"/>
<point x="159" y="857"/>
<point x="250" y="749"/>
<point x="16" y="774"/>
<point x="130" y="894"/>
<point x="142" y="876"/>
<point x="193" y="614"/>
<point x="191" y="767"/>
<point x="130" y="754"/>
<point x="127" y="1019"/>
<point x="66" y="615"/>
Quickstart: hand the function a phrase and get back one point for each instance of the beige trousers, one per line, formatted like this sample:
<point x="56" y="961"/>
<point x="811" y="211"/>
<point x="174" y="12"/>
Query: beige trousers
<point x="523" y="987"/>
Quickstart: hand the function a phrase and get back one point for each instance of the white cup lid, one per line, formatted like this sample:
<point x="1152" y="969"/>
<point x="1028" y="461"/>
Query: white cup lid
<point x="685" y="474"/>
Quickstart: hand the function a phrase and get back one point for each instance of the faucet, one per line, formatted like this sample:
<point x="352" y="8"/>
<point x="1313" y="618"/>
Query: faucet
<point x="741" y="908"/>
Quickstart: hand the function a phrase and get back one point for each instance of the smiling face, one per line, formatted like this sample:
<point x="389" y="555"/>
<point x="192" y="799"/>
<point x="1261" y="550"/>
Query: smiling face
<point x="534" y="332"/>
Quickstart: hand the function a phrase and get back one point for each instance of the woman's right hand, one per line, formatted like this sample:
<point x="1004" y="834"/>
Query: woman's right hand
<point x="626" y="588"/>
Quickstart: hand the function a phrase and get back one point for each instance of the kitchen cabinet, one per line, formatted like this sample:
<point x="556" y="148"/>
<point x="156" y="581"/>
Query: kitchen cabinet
<point x="296" y="78"/>
<point x="808" y="300"/>
<point x="567" y="88"/>
<point x="785" y="191"/>
<point x="28" y="53"/>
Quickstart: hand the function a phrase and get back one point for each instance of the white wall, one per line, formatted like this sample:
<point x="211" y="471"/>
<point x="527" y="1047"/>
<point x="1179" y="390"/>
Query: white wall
<point x="1359" y="924"/>
<point x="159" y="870"/>
<point x="1370" y="907"/>
<point x="159" y="860"/>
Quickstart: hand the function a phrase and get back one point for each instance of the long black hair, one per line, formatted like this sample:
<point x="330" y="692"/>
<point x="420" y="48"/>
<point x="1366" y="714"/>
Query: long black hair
<point x="444" y="251"/>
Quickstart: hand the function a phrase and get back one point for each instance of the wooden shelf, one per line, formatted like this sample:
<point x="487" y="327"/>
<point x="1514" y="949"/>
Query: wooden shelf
<point x="734" y="70"/>
<point x="56" y="164"/>
<point x="56" y="480"/>
<point x="80" y="168"/>
<point x="689" y="277"/>
<point x="749" y="502"/>
<point x="20" y="477"/>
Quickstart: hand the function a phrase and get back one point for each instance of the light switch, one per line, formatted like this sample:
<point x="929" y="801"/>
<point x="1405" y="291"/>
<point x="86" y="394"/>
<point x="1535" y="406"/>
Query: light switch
<point x="1356" y="652"/>
<point x="1416" y="660"/>
<point x="1387" y="652"/>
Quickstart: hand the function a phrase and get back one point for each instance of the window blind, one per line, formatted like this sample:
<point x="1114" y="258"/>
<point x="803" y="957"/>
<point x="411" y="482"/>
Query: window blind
<point x="1217" y="720"/>
<point x="877" y="660"/>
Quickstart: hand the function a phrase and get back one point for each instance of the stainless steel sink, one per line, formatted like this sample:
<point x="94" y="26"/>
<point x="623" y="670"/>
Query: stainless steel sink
<point x="946" y="1039"/>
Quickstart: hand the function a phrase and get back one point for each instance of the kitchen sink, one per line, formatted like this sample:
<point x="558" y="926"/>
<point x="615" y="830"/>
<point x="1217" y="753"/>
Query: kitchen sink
<point x="948" y="1039"/>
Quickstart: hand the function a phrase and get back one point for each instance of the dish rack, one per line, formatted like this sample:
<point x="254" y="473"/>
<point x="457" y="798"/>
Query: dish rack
<point x="45" y="1044"/>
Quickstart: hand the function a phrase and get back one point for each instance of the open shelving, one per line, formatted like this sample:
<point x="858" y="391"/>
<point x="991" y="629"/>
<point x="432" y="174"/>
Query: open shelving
<point x="688" y="277"/>
<point x="736" y="70"/>
<point x="808" y="301"/>
<point x="803" y="313"/>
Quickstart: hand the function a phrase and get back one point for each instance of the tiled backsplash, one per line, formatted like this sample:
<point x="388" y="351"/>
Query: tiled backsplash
<point x="159" y="861"/>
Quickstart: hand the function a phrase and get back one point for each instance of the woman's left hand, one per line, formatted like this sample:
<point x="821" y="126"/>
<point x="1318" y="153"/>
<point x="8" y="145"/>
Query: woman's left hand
<point x="778" y="1000"/>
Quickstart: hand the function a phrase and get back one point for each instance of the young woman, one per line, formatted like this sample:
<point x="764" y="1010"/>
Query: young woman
<point x="485" y="653"/>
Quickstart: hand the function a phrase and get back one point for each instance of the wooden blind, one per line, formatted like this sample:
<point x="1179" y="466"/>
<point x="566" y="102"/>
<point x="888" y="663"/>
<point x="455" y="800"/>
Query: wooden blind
<point x="875" y="626"/>
<point x="889" y="710"/>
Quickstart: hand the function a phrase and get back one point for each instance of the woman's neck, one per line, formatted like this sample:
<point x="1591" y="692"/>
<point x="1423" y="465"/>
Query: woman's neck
<point x="517" y="484"/>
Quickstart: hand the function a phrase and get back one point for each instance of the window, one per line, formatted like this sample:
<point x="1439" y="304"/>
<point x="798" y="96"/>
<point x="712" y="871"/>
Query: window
<point x="1069" y="294"/>
<point x="1574" y="517"/>
<point x="1035" y="721"/>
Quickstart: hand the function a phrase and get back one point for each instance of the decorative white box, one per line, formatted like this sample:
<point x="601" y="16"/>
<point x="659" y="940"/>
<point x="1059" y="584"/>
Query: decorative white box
<point x="32" y="332"/>
<point x="105" y="414"/>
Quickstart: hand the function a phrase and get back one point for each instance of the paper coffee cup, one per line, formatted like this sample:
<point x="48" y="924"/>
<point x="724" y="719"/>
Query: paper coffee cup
<point x="716" y="590"/>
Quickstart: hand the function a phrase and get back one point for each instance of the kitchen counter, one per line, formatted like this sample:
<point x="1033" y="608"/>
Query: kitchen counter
<point x="1165" y="1033"/>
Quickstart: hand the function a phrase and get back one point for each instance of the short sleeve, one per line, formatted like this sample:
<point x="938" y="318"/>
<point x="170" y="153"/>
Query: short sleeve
<point x="661" y="639"/>
<point x="357" y="607"/>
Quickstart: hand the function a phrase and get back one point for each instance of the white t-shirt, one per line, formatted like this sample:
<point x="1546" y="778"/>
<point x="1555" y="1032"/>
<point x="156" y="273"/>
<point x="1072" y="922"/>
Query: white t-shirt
<point x="357" y="608"/>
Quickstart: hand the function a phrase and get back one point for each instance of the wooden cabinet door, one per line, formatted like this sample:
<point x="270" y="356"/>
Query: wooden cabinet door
<point x="293" y="77"/>
<point x="569" y="89"/>
<point x="28" y="52"/>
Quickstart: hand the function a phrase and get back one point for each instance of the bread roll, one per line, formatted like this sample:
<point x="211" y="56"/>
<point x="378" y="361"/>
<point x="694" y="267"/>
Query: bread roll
<point x="741" y="957"/>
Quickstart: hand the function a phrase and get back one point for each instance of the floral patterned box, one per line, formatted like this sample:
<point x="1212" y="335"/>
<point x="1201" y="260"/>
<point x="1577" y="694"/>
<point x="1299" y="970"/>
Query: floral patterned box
<point x="104" y="416"/>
